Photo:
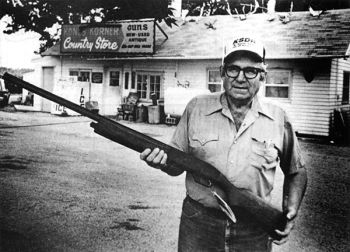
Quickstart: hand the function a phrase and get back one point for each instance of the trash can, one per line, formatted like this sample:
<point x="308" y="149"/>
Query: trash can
<point x="141" y="114"/>
<point x="153" y="114"/>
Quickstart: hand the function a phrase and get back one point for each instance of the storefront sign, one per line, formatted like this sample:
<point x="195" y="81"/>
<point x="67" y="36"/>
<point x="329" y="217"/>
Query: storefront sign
<point x="125" y="37"/>
<point x="97" y="77"/>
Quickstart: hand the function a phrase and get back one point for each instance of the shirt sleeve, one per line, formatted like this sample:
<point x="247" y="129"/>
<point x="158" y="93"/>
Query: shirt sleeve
<point x="291" y="157"/>
<point x="180" y="137"/>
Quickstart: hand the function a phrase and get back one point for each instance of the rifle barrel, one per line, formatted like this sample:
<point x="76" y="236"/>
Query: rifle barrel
<point x="52" y="97"/>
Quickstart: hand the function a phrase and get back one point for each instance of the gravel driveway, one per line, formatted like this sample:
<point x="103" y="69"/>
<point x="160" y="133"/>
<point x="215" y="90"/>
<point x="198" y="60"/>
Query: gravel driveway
<point x="64" y="188"/>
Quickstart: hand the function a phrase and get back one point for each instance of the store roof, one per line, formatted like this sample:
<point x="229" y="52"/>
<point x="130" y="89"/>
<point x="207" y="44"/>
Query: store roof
<point x="304" y="36"/>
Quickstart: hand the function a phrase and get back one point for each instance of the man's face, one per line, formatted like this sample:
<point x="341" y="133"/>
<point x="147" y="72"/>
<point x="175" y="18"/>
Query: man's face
<point x="241" y="89"/>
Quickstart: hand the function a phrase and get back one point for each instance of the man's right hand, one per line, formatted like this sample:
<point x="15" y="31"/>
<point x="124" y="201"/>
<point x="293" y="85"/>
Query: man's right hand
<point x="155" y="158"/>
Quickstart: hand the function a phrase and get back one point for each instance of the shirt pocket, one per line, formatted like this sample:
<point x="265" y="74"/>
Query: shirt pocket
<point x="264" y="154"/>
<point x="264" y="160"/>
<point x="201" y="139"/>
<point x="204" y="145"/>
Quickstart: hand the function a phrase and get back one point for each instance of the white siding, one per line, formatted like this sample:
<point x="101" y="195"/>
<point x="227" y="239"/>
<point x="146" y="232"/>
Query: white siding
<point x="37" y="77"/>
<point x="195" y="71"/>
<point x="108" y="97"/>
<point x="338" y="68"/>
<point x="337" y="74"/>
<point x="308" y="105"/>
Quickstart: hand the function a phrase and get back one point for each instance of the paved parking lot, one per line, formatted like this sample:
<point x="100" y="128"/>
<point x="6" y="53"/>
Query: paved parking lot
<point x="64" y="188"/>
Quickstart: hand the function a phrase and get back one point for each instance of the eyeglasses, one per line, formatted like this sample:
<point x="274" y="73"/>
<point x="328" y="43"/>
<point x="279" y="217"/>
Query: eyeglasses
<point x="249" y="72"/>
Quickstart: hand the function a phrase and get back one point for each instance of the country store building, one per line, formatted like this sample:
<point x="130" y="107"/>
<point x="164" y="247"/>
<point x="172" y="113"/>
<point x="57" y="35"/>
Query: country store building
<point x="307" y="57"/>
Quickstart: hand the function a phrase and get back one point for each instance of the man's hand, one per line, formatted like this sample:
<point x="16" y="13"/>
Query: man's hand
<point x="284" y="234"/>
<point x="293" y="192"/>
<point x="155" y="158"/>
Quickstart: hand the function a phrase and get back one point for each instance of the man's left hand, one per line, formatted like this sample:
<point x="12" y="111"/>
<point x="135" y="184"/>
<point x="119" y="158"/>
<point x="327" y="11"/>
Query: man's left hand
<point x="288" y="228"/>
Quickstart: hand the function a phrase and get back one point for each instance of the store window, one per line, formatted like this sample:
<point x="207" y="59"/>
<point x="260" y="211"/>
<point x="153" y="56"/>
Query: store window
<point x="154" y="83"/>
<point x="214" y="80"/>
<point x="142" y="85"/>
<point x="346" y="88"/>
<point x="114" y="78"/>
<point x="278" y="83"/>
<point x="82" y="75"/>
<point x="146" y="84"/>
<point x="126" y="80"/>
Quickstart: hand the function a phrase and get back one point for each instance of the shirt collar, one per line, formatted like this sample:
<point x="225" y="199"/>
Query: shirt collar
<point x="220" y="102"/>
<point x="216" y="104"/>
<point x="260" y="107"/>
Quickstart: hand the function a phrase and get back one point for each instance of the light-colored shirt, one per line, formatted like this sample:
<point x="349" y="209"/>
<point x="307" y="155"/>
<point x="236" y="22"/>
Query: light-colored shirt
<point x="247" y="157"/>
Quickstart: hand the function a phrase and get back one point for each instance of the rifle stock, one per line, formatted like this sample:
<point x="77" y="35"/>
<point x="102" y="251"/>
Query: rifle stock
<point x="267" y="215"/>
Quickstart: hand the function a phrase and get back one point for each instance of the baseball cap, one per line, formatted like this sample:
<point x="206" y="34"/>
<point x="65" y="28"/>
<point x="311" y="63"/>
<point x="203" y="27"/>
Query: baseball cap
<point x="245" y="43"/>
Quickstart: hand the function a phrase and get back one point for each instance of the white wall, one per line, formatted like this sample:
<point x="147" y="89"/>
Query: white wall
<point x="337" y="78"/>
<point x="195" y="71"/>
<point x="309" y="103"/>
<point x="96" y="88"/>
<point x="36" y="77"/>
<point x="338" y="68"/>
<point x="107" y="96"/>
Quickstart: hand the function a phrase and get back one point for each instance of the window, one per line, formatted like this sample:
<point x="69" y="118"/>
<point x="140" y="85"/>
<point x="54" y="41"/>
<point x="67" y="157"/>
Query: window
<point x="277" y="83"/>
<point x="214" y="81"/>
<point x="114" y="78"/>
<point x="126" y="80"/>
<point x="82" y="75"/>
<point x="147" y="84"/>
<point x="142" y="86"/>
<point x="346" y="90"/>
<point x="154" y="83"/>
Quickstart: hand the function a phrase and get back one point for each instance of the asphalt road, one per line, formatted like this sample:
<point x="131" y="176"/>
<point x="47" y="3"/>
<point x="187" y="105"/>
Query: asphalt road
<point x="64" y="188"/>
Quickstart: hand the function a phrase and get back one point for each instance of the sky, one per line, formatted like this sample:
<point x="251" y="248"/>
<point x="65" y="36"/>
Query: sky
<point x="17" y="50"/>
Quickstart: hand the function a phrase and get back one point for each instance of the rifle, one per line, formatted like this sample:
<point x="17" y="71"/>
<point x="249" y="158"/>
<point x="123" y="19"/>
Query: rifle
<point x="269" y="217"/>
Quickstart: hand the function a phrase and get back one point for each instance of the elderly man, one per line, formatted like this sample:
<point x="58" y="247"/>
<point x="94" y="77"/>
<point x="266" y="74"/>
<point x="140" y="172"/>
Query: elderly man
<point x="245" y="138"/>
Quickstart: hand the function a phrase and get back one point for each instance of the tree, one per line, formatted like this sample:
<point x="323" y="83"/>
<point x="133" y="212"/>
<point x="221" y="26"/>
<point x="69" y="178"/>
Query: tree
<point x="222" y="7"/>
<point x="46" y="16"/>
<point x="42" y="16"/>
<point x="219" y="7"/>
